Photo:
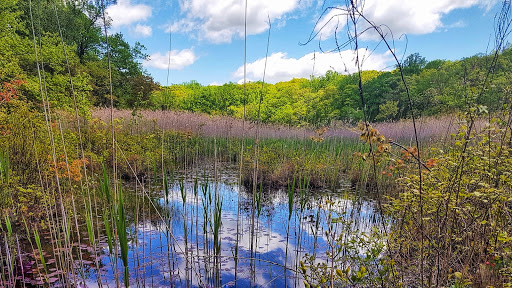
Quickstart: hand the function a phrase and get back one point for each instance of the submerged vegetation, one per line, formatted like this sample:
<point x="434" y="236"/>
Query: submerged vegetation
<point x="298" y="195"/>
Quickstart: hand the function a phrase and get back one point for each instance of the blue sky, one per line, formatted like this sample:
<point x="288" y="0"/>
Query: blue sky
<point x="207" y="43"/>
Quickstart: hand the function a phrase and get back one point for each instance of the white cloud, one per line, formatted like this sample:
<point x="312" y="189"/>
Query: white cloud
<point x="174" y="59"/>
<point x="181" y="26"/>
<point x="333" y="19"/>
<point x="143" y="30"/>
<point x="219" y="21"/>
<point x="411" y="17"/>
<point x="124" y="13"/>
<point x="282" y="68"/>
<point x="458" y="24"/>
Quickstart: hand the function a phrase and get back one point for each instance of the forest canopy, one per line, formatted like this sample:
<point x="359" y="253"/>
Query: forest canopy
<point x="437" y="87"/>
<point x="66" y="42"/>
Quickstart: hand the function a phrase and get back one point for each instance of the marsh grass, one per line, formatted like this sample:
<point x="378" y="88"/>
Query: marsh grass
<point x="155" y="144"/>
<point x="40" y="249"/>
<point x="154" y="157"/>
<point x="429" y="128"/>
<point x="122" y="234"/>
<point x="326" y="160"/>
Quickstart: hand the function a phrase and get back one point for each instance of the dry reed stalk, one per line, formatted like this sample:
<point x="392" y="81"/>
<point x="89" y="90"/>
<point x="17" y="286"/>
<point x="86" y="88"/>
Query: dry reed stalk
<point x="438" y="128"/>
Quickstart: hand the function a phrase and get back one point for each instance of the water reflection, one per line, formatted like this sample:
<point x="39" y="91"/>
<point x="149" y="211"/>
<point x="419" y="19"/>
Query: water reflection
<point x="177" y="249"/>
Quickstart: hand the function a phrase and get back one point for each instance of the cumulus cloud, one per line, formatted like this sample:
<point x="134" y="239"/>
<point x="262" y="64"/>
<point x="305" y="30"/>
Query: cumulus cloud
<point x="280" y="67"/>
<point x="219" y="21"/>
<point x="182" y="26"/>
<point x="123" y="13"/>
<point x="143" y="30"/>
<point x="411" y="17"/>
<point x="458" y="24"/>
<point x="333" y="19"/>
<point x="175" y="59"/>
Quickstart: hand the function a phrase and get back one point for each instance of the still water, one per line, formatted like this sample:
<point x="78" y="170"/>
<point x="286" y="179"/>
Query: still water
<point x="176" y="240"/>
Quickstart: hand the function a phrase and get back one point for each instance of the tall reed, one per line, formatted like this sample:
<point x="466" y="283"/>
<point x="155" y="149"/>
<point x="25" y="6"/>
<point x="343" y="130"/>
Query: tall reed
<point x="122" y="234"/>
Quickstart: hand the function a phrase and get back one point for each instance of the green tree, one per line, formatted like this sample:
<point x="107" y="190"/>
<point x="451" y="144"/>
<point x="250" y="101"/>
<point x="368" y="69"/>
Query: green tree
<point x="387" y="111"/>
<point x="11" y="42"/>
<point x="124" y="57"/>
<point x="78" y="23"/>
<point x="127" y="72"/>
<point x="413" y="64"/>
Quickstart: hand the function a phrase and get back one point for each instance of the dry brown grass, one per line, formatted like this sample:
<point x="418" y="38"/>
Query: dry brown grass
<point x="429" y="128"/>
<point x="201" y="124"/>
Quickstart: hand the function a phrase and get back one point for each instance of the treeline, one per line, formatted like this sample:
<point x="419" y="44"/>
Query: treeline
<point x="436" y="87"/>
<point x="65" y="40"/>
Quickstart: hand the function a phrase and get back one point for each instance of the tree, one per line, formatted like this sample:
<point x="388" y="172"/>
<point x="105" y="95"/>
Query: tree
<point x="78" y="23"/>
<point x="142" y="87"/>
<point x="127" y="71"/>
<point x="11" y="42"/>
<point x="123" y="57"/>
<point x="435" y="64"/>
<point x="387" y="111"/>
<point x="413" y="64"/>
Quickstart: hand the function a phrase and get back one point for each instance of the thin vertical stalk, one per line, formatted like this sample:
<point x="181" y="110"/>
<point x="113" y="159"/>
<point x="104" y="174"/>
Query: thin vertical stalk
<point x="241" y="148"/>
<point x="169" y="66"/>
<point x="21" y="262"/>
<point x="10" y="271"/>
<point x="46" y="109"/>
<point x="111" y="89"/>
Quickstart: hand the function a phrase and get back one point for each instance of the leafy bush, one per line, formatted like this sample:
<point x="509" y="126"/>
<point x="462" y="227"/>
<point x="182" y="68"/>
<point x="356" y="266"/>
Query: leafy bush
<point x="454" y="220"/>
<point x="354" y="258"/>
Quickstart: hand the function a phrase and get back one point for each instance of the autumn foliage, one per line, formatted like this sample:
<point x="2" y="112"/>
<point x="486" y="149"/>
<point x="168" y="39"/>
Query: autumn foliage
<point x="10" y="90"/>
<point x="71" y="170"/>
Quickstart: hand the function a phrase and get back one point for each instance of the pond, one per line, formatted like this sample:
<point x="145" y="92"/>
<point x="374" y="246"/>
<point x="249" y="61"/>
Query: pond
<point x="181" y="243"/>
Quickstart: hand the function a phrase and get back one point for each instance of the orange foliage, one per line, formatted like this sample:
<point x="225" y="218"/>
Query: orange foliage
<point x="371" y="135"/>
<point x="320" y="132"/>
<point x="5" y="130"/>
<point x="411" y="151"/>
<point x="431" y="162"/>
<point x="74" y="171"/>
<point x="9" y="90"/>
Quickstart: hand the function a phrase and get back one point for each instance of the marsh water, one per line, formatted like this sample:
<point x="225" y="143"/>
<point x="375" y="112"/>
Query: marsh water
<point x="257" y="240"/>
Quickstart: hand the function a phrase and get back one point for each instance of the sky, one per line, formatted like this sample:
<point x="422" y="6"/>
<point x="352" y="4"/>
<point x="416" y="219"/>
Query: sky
<point x="203" y="40"/>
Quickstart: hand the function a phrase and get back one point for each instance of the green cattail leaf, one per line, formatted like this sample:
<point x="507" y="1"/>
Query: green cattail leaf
<point x="38" y="243"/>
<point x="105" y="185"/>
<point x="122" y="233"/>
<point x="166" y="186"/>
<point x="8" y="225"/>
<point x="108" y="231"/>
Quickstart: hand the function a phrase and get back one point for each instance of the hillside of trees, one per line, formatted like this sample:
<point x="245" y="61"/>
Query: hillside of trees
<point x="63" y="39"/>
<point x="66" y="39"/>
<point x="436" y="88"/>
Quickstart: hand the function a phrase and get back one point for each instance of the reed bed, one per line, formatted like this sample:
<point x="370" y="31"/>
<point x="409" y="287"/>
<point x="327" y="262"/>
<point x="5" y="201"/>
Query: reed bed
<point x="212" y="201"/>
<point x="175" y="193"/>
<point x="200" y="124"/>
<point x="173" y="210"/>
<point x="438" y="128"/>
